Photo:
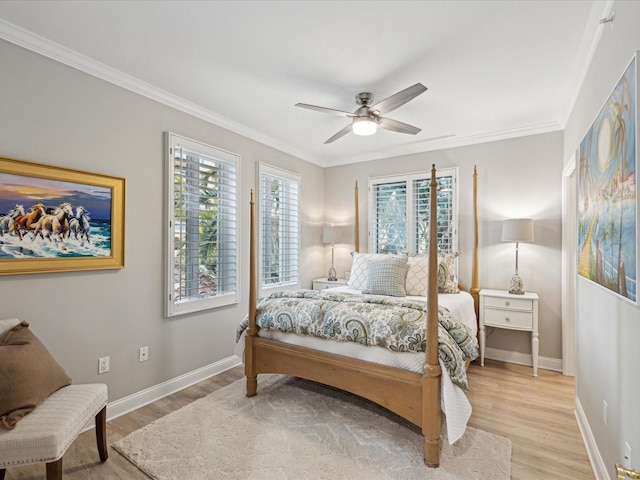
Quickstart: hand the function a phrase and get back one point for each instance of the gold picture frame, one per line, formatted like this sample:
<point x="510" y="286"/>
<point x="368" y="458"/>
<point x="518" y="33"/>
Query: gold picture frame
<point x="55" y="219"/>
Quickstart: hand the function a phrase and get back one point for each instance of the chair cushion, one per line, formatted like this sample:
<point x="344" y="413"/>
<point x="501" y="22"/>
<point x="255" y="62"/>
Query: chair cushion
<point x="46" y="433"/>
<point x="28" y="374"/>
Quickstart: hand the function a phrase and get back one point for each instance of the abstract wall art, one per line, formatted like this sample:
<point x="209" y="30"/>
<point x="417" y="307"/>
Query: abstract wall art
<point x="607" y="193"/>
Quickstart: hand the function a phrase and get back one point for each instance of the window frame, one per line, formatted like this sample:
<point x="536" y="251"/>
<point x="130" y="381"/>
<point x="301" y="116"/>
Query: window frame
<point x="410" y="211"/>
<point x="262" y="169"/>
<point x="196" y="304"/>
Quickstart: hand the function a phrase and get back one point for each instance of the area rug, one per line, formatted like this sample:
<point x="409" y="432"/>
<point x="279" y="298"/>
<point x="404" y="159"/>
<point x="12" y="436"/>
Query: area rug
<point x="294" y="430"/>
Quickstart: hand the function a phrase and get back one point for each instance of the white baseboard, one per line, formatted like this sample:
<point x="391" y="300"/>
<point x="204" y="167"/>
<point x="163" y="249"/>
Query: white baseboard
<point x="144" y="397"/>
<point x="547" y="363"/>
<point x="597" y="463"/>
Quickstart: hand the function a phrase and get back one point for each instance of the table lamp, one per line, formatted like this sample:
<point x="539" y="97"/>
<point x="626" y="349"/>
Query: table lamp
<point x="331" y="234"/>
<point x="517" y="230"/>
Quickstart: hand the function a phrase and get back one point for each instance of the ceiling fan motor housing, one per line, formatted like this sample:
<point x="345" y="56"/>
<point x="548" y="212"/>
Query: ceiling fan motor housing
<point x="364" y="98"/>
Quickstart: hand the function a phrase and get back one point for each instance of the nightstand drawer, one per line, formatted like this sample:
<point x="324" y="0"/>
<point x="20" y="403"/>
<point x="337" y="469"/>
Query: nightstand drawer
<point x="508" y="319"/>
<point x="510" y="303"/>
<point x="323" y="283"/>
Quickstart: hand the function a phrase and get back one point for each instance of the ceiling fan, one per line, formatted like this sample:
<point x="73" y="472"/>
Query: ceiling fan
<point x="367" y="118"/>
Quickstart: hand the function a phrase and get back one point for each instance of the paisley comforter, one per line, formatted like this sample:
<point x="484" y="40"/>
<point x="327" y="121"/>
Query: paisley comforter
<point x="397" y="324"/>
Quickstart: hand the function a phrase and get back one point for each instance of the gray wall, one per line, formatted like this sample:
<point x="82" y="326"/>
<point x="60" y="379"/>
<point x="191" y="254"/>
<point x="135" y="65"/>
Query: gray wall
<point x="56" y="115"/>
<point x="607" y="327"/>
<point x="516" y="178"/>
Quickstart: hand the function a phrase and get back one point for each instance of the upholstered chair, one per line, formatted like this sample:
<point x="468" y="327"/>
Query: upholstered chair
<point x="41" y="412"/>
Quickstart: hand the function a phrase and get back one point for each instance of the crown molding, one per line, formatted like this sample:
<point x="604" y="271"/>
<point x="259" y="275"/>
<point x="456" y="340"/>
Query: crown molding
<point x="590" y="40"/>
<point x="40" y="45"/>
<point x="453" y="142"/>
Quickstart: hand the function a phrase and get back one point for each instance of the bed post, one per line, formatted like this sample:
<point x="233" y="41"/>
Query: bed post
<point x="431" y="416"/>
<point x="357" y="222"/>
<point x="252" y="331"/>
<point x="475" y="289"/>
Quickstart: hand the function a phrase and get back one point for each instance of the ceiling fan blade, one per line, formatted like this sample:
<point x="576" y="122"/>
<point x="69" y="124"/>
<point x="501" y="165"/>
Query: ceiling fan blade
<point x="398" y="99"/>
<point x="332" y="111"/>
<point x="340" y="134"/>
<point x="396" y="126"/>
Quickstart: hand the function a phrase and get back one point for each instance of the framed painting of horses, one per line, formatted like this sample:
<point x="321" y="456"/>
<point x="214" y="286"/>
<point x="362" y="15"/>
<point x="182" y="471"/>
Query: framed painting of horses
<point x="55" y="219"/>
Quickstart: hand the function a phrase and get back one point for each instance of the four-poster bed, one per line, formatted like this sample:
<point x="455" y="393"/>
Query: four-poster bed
<point x="414" y="395"/>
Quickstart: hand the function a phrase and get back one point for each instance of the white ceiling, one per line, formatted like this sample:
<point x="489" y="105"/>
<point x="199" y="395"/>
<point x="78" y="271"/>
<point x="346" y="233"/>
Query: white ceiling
<point x="494" y="69"/>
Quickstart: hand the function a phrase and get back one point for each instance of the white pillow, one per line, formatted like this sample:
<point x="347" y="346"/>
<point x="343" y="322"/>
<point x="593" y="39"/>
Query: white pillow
<point x="416" y="283"/>
<point x="358" y="275"/>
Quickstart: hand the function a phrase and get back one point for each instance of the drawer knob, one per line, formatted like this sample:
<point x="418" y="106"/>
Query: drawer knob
<point x="506" y="303"/>
<point x="507" y="319"/>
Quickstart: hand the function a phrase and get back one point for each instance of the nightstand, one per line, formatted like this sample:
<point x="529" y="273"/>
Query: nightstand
<point x="322" y="283"/>
<point x="500" y="309"/>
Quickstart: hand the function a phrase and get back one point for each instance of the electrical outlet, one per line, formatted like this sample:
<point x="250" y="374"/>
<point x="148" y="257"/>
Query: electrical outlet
<point x="627" y="455"/>
<point x="604" y="413"/>
<point x="144" y="354"/>
<point x="103" y="365"/>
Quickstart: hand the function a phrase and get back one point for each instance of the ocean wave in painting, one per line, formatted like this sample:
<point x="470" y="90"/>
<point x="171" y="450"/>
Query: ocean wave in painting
<point x="11" y="246"/>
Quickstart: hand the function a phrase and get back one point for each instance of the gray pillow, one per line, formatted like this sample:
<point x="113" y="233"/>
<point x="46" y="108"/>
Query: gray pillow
<point x="386" y="276"/>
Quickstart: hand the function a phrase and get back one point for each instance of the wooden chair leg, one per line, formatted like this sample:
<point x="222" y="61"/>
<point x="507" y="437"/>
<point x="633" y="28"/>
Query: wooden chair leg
<point x="54" y="470"/>
<point x="2" y="473"/>
<point x="101" y="434"/>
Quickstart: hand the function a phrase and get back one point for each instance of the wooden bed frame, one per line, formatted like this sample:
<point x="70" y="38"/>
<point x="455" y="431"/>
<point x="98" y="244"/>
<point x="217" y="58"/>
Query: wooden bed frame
<point x="413" y="396"/>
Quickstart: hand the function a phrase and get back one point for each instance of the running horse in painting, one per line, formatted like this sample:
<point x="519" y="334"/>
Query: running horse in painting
<point x="79" y="225"/>
<point x="7" y="221"/>
<point x="22" y="223"/>
<point x="56" y="224"/>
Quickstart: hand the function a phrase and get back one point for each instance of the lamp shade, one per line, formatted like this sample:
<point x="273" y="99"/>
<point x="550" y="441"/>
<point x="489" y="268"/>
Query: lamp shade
<point x="331" y="234"/>
<point x="517" y="230"/>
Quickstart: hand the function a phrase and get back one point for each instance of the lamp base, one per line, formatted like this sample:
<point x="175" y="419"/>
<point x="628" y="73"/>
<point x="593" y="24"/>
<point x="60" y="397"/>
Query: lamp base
<point x="333" y="276"/>
<point x="515" y="287"/>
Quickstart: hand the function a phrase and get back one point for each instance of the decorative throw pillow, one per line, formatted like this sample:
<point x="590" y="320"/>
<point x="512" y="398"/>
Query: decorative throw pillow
<point x="417" y="273"/>
<point x="28" y="374"/>
<point x="358" y="275"/>
<point x="386" y="276"/>
<point x="447" y="281"/>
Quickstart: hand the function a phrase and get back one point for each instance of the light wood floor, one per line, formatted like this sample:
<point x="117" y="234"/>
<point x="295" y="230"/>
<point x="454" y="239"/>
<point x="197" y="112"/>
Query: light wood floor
<point x="535" y="413"/>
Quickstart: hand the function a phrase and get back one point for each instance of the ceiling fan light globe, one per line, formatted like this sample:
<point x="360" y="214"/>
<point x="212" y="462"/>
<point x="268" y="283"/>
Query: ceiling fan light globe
<point x="364" y="126"/>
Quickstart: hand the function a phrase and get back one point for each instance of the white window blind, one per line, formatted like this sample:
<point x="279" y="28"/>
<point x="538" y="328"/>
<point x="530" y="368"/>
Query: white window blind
<point x="400" y="212"/>
<point x="390" y="216"/>
<point x="202" y="230"/>
<point x="279" y="203"/>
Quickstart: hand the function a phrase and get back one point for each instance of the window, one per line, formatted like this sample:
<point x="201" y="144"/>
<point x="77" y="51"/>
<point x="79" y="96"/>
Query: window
<point x="400" y="212"/>
<point x="202" y="232"/>
<point x="279" y="227"/>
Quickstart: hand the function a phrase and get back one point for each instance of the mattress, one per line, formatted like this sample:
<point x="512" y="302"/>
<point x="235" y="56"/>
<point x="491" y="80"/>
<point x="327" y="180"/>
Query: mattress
<point x="459" y="304"/>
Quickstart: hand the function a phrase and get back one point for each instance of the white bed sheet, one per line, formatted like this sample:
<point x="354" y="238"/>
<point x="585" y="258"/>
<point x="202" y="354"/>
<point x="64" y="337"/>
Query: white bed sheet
<point x="455" y="404"/>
